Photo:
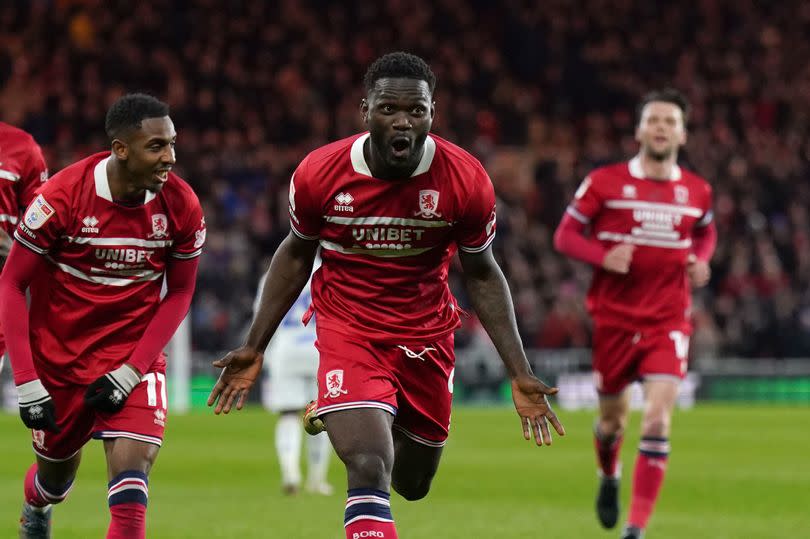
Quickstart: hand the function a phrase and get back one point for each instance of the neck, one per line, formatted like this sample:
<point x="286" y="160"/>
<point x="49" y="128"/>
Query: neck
<point x="121" y="185"/>
<point x="378" y="168"/>
<point x="655" y="169"/>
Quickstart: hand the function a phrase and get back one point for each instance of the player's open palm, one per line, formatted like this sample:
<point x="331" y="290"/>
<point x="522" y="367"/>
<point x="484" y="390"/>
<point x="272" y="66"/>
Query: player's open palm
<point x="530" y="397"/>
<point x="240" y="369"/>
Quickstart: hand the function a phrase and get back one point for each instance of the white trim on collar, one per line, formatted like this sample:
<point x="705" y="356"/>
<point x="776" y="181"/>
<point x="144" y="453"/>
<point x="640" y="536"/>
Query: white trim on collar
<point x="103" y="183"/>
<point x="636" y="171"/>
<point x="361" y="167"/>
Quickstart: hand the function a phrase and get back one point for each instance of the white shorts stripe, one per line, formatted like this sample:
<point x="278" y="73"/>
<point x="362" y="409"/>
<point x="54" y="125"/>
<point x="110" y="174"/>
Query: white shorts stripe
<point x="357" y="405"/>
<point x="419" y="439"/>
<point x="109" y="434"/>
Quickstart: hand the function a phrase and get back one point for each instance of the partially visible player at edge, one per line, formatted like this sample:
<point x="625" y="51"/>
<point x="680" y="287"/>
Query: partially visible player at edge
<point x="651" y="237"/>
<point x="101" y="236"/>
<point x="22" y="172"/>
<point x="389" y="208"/>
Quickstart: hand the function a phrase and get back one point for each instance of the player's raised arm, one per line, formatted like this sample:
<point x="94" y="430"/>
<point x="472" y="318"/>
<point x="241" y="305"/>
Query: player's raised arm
<point x="489" y="293"/>
<point x="288" y="274"/>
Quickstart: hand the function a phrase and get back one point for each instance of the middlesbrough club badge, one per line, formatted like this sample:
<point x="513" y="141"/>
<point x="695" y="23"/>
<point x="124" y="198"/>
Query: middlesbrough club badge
<point x="160" y="226"/>
<point x="334" y="384"/>
<point x="428" y="203"/>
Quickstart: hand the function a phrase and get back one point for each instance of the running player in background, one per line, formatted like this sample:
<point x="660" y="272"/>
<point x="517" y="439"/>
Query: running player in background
<point x="101" y="237"/>
<point x="22" y="172"/>
<point x="293" y="383"/>
<point x="389" y="208"/>
<point x="651" y="238"/>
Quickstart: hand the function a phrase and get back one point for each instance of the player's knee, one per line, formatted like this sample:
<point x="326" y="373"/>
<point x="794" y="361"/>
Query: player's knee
<point x="657" y="426"/>
<point x="412" y="490"/>
<point x="612" y="425"/>
<point x="369" y="468"/>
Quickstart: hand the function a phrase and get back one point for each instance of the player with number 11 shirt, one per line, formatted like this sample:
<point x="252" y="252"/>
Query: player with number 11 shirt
<point x="94" y="248"/>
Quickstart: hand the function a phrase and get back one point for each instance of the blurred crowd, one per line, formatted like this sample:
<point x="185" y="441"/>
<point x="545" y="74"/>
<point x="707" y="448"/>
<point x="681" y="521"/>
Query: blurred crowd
<point x="540" y="92"/>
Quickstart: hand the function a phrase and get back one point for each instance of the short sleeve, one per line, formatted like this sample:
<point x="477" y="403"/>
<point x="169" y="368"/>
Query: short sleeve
<point x="45" y="220"/>
<point x="36" y="174"/>
<point x="586" y="203"/>
<point x="305" y="217"/>
<point x="476" y="227"/>
<point x="188" y="242"/>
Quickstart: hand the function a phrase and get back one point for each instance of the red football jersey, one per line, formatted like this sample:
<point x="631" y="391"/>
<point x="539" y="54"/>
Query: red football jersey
<point x="106" y="265"/>
<point x="386" y="245"/>
<point x="658" y="217"/>
<point x="22" y="172"/>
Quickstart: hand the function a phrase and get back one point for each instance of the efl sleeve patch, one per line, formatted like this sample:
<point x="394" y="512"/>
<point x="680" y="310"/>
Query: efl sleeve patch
<point x="38" y="213"/>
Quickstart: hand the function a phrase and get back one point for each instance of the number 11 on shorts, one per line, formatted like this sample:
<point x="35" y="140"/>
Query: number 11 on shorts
<point x="152" y="379"/>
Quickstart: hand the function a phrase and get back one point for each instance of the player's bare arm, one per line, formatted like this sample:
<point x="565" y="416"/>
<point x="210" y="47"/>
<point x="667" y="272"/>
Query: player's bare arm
<point x="489" y="293"/>
<point x="288" y="274"/>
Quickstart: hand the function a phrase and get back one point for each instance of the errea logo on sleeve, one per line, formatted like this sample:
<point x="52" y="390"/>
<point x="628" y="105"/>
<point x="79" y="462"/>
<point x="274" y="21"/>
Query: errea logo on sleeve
<point x="38" y="213"/>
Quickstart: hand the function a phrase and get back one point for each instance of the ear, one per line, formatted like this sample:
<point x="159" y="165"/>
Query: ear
<point x="364" y="110"/>
<point x="432" y="110"/>
<point x="638" y="133"/>
<point x="120" y="149"/>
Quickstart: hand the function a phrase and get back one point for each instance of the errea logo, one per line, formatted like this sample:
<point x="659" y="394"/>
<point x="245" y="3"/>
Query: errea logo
<point x="343" y="202"/>
<point x="90" y="223"/>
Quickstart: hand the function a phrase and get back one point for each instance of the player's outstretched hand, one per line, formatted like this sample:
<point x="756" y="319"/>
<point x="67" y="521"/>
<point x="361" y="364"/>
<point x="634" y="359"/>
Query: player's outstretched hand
<point x="619" y="258"/>
<point x="36" y="406"/>
<point x="108" y="393"/>
<point x="240" y="369"/>
<point x="529" y="395"/>
<point x="698" y="271"/>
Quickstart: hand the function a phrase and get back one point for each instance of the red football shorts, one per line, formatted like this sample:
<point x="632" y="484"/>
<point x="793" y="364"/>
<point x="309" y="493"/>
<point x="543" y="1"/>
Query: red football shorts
<point x="412" y="383"/>
<point x="621" y="357"/>
<point x="143" y="418"/>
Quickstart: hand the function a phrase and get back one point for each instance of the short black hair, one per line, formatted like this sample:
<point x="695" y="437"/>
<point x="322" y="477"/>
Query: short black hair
<point x="130" y="110"/>
<point x="401" y="65"/>
<point x="667" y="95"/>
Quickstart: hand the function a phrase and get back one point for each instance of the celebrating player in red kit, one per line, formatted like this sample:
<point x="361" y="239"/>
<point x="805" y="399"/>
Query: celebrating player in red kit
<point x="389" y="209"/>
<point x="100" y="238"/>
<point x="651" y="237"/>
<point x="22" y="171"/>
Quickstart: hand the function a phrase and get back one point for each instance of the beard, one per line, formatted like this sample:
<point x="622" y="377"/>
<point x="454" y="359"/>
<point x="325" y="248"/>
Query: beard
<point x="659" y="156"/>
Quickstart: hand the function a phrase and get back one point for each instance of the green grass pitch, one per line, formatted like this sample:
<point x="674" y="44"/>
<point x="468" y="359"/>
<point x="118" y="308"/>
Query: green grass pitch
<point x="735" y="473"/>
